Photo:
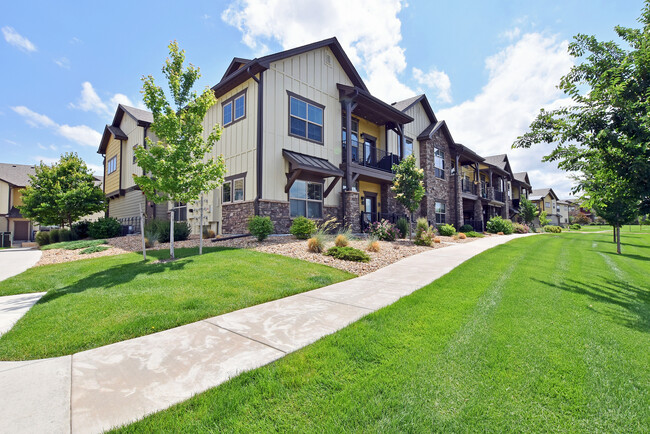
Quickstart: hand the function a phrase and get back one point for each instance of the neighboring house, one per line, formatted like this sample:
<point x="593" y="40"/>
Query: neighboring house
<point x="521" y="188"/>
<point x="303" y="136"/>
<point x="14" y="177"/>
<point x="546" y="200"/>
<point x="563" y="210"/>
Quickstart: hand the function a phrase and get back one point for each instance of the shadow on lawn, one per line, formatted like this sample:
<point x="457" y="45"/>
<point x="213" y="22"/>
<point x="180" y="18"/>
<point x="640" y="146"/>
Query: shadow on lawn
<point x="634" y="300"/>
<point x="123" y="273"/>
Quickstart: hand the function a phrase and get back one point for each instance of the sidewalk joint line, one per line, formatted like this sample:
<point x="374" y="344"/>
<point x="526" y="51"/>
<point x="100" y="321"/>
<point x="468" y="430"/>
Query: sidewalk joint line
<point x="338" y="302"/>
<point x="247" y="337"/>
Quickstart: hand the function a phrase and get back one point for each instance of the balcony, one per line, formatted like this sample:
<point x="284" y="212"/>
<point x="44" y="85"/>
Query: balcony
<point x="371" y="156"/>
<point x="499" y="195"/>
<point x="468" y="186"/>
<point x="484" y="190"/>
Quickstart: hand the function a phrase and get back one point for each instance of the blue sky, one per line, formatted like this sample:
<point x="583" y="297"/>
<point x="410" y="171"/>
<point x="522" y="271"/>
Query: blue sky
<point x="487" y="67"/>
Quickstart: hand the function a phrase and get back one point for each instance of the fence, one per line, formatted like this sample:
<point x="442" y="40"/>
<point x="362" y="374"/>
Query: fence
<point x="130" y="225"/>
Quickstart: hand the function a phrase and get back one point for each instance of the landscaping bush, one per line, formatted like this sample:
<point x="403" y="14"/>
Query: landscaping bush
<point x="208" y="233"/>
<point x="260" y="227"/>
<point x="446" y="230"/>
<point x="150" y="235"/>
<point x="520" y="228"/>
<point x="575" y="227"/>
<point x="462" y="236"/>
<point x="436" y="240"/>
<point x="316" y="243"/>
<point x="80" y="229"/>
<point x="42" y="238"/>
<point x="466" y="228"/>
<point x="54" y="236"/>
<point x="348" y="254"/>
<point x="302" y="228"/>
<point x="65" y="235"/>
<point x="182" y="230"/>
<point x="424" y="233"/>
<point x="93" y="249"/>
<point x="474" y="234"/>
<point x="384" y="230"/>
<point x="553" y="229"/>
<point x="105" y="228"/>
<point x="403" y="226"/>
<point x="373" y="244"/>
<point x="341" y="240"/>
<point x="497" y="224"/>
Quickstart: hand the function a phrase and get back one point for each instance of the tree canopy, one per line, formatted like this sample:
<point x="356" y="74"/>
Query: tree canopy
<point x="62" y="193"/>
<point x="178" y="166"/>
<point x="408" y="185"/>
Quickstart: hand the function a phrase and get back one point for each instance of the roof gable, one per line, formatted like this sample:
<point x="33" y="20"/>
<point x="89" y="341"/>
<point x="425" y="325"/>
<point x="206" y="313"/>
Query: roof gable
<point x="406" y="105"/>
<point x="16" y="174"/>
<point x="501" y="161"/>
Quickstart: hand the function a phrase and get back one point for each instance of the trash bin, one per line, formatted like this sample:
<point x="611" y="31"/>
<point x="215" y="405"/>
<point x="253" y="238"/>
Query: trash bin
<point x="5" y="239"/>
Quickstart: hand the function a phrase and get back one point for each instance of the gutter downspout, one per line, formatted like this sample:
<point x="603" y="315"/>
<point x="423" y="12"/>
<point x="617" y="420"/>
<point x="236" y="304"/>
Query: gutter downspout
<point x="260" y="141"/>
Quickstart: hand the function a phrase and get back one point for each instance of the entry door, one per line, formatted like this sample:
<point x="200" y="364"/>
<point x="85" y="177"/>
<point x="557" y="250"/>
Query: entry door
<point x="370" y="207"/>
<point x="21" y="231"/>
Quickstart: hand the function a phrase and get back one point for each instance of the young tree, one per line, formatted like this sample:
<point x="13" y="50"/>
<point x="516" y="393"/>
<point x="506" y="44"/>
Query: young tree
<point x="178" y="167"/>
<point x="527" y="210"/>
<point x="408" y="186"/>
<point x="543" y="220"/>
<point x="608" y="120"/>
<point x="62" y="193"/>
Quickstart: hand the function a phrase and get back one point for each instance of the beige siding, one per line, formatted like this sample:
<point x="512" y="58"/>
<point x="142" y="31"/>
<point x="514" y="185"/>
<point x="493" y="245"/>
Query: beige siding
<point x="136" y="137"/>
<point x="112" y="181"/>
<point x="16" y="197"/>
<point x="310" y="77"/>
<point x="411" y="130"/>
<point x="4" y="197"/>
<point x="127" y="205"/>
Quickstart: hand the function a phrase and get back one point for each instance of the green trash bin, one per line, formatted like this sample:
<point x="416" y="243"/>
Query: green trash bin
<point x="5" y="239"/>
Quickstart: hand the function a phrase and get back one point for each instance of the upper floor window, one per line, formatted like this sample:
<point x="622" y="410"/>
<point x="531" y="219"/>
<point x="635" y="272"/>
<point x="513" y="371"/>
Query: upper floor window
<point x="306" y="199"/>
<point x="111" y="165"/>
<point x="305" y="119"/>
<point x="234" y="109"/>
<point x="440" y="213"/>
<point x="439" y="163"/>
<point x="408" y="147"/>
<point x="547" y="204"/>
<point x="233" y="190"/>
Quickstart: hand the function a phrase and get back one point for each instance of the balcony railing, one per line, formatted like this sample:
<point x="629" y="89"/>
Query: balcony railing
<point x="499" y="195"/>
<point x="484" y="190"/>
<point x="468" y="186"/>
<point x="476" y="224"/>
<point x="371" y="156"/>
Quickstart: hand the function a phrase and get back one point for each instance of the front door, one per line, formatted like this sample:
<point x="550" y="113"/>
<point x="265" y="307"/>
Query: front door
<point x="21" y="231"/>
<point x="370" y="208"/>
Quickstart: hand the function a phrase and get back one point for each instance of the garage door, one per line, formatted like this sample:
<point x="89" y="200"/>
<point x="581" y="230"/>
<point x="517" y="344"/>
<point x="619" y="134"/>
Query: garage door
<point x="21" y="231"/>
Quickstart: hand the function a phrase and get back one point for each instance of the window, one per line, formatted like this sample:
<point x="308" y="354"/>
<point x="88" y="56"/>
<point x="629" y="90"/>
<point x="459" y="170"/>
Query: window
<point x="111" y="166"/>
<point x="355" y="137"/>
<point x="439" y="163"/>
<point x="305" y="119"/>
<point x="180" y="211"/>
<point x="408" y="147"/>
<point x="440" y="213"/>
<point x="234" y="108"/>
<point x="306" y="199"/>
<point x="134" y="159"/>
<point x="547" y="205"/>
<point x="232" y="190"/>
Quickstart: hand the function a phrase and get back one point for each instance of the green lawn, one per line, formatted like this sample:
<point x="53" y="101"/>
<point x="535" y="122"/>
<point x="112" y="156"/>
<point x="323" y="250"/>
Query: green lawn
<point x="624" y="228"/>
<point x="99" y="301"/>
<point x="546" y="333"/>
<point x="74" y="245"/>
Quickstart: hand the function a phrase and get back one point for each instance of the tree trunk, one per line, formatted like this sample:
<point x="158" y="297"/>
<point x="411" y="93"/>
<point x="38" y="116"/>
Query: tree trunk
<point x="171" y="235"/>
<point x="618" y="239"/>
<point x="614" y="231"/>
<point x="411" y="226"/>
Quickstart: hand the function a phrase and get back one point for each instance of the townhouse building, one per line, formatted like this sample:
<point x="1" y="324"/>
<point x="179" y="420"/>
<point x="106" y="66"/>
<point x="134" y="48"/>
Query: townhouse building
<point x="546" y="200"/>
<point x="13" y="178"/>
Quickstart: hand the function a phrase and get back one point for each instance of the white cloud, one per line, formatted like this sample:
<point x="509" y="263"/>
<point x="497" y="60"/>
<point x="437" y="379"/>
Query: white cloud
<point x="11" y="142"/>
<point x="17" y="40"/>
<point x="97" y="169"/>
<point x="63" y="62"/>
<point x="45" y="160"/>
<point x="120" y="98"/>
<point x="89" y="101"/>
<point x="511" y="34"/>
<point x="372" y="42"/>
<point x="522" y="79"/>
<point x="81" y="134"/>
<point x="435" y="80"/>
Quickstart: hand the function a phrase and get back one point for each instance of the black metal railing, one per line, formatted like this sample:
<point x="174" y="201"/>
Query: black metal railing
<point x="371" y="156"/>
<point x="484" y="193"/>
<point x="468" y="186"/>
<point x="130" y="225"/>
<point x="515" y="203"/>
<point x="367" y="218"/>
<point x="476" y="224"/>
<point x="499" y="195"/>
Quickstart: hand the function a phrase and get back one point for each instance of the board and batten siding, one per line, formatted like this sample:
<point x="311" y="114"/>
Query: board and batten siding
<point x="411" y="130"/>
<point x="127" y="206"/>
<point x="135" y="133"/>
<point x="312" y="75"/>
<point x="112" y="181"/>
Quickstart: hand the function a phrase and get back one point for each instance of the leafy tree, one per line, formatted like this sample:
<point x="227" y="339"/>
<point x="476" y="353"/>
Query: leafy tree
<point x="543" y="220"/>
<point x="62" y="193"/>
<point x="408" y="186"/>
<point x="527" y="210"/>
<point x="607" y="124"/>
<point x="178" y="167"/>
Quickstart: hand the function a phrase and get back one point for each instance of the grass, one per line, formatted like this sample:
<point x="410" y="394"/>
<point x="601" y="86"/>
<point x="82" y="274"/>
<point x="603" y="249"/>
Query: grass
<point x="95" y="302"/>
<point x="624" y="228"/>
<point x="73" y="245"/>
<point x="93" y="249"/>
<point x="545" y="333"/>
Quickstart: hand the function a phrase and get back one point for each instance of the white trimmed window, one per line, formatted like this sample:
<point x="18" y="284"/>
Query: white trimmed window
<point x="439" y="163"/>
<point x="305" y="119"/>
<point x="111" y="165"/>
<point x="440" y="213"/>
<point x="306" y="199"/>
<point x="232" y="190"/>
<point x="234" y="109"/>
<point x="408" y="147"/>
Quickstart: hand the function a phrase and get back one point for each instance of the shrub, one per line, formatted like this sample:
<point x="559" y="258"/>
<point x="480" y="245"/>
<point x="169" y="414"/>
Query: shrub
<point x="520" y="228"/>
<point x="42" y="238"/>
<point x="424" y="234"/>
<point x="384" y="230"/>
<point x="436" y="240"/>
<point x="575" y="227"/>
<point x="316" y="243"/>
<point x="462" y="236"/>
<point x="473" y="234"/>
<point x="552" y="229"/>
<point x="341" y="240"/>
<point x="150" y="235"/>
<point x="500" y="233"/>
<point x="65" y="235"/>
<point x="182" y="230"/>
<point x="93" y="249"/>
<point x="497" y="224"/>
<point x="80" y="229"/>
<point x="348" y="254"/>
<point x="54" y="236"/>
<point x="105" y="227"/>
<point x="208" y="233"/>
<point x="403" y="226"/>
<point x="260" y="227"/>
<point x="446" y="230"/>
<point x="373" y="244"/>
<point x="466" y="228"/>
<point x="302" y="228"/>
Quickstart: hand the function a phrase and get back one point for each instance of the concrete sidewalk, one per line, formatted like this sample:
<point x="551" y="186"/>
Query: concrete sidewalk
<point x="13" y="307"/>
<point x="15" y="261"/>
<point x="116" y="384"/>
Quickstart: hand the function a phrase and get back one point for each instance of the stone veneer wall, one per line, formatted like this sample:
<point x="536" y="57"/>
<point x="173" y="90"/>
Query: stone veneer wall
<point x="389" y="203"/>
<point x="440" y="190"/>
<point x="235" y="217"/>
<point x="280" y="213"/>
<point x="352" y="210"/>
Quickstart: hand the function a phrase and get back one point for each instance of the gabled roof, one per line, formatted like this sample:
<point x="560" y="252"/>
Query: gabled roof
<point x="522" y="178"/>
<point x="429" y="131"/>
<point x="462" y="149"/>
<point x="16" y="174"/>
<point x="143" y="118"/>
<point x="376" y="110"/>
<point x="236" y="63"/>
<point x="406" y="104"/>
<point x="541" y="193"/>
<point x="500" y="161"/>
<point x="257" y="65"/>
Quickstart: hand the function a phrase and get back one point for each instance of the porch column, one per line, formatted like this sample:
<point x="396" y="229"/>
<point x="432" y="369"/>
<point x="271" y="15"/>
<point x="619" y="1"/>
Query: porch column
<point x="401" y="140"/>
<point x="348" y="144"/>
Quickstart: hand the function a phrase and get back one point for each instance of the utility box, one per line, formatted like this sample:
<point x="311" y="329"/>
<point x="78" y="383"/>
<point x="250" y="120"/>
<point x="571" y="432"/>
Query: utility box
<point x="5" y="239"/>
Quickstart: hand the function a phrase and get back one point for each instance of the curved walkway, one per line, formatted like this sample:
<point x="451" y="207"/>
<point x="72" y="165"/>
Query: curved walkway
<point x="116" y="384"/>
<point x="15" y="261"/>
